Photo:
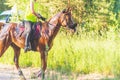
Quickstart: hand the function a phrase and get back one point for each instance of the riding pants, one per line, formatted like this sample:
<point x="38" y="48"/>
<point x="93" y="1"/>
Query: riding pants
<point x="28" y="27"/>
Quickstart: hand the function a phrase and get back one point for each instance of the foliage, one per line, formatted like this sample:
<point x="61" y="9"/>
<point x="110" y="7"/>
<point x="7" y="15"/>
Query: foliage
<point x="3" y="6"/>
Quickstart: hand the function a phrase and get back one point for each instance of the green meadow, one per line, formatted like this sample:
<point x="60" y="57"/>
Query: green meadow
<point x="82" y="53"/>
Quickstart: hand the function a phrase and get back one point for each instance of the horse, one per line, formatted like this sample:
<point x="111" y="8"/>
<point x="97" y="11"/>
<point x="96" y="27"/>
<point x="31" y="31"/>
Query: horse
<point x="42" y="44"/>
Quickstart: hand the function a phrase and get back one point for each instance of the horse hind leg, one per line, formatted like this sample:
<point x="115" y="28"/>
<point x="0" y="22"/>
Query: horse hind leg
<point x="16" y="60"/>
<point x="3" y="46"/>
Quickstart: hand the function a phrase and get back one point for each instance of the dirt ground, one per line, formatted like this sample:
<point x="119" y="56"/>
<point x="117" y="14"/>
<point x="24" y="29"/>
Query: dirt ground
<point x="9" y="72"/>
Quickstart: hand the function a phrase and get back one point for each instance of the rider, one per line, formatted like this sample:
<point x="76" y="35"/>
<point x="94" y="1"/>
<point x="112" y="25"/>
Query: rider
<point x="30" y="20"/>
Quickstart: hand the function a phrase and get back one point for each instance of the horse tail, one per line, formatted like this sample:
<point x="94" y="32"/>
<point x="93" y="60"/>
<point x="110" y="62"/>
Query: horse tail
<point x="4" y="39"/>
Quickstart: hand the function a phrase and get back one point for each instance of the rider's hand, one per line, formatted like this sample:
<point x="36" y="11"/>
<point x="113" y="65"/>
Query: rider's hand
<point x="43" y="18"/>
<point x="40" y="17"/>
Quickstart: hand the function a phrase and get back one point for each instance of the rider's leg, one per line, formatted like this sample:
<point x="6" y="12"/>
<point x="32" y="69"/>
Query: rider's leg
<point x="27" y="40"/>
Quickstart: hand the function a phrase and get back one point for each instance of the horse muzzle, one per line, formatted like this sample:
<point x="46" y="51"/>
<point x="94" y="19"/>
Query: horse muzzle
<point x="72" y="27"/>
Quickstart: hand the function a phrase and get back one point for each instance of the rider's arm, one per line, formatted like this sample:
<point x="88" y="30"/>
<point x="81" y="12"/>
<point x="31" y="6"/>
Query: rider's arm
<point x="32" y="9"/>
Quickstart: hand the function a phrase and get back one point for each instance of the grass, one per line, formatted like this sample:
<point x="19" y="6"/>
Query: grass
<point x="81" y="54"/>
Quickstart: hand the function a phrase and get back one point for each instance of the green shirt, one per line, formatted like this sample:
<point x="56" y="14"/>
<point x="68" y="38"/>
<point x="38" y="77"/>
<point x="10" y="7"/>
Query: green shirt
<point x="29" y="16"/>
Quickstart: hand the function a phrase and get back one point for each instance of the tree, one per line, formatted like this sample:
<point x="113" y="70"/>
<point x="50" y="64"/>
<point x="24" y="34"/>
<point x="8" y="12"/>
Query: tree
<point x="3" y="6"/>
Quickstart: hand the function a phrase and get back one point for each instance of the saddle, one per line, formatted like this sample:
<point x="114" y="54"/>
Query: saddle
<point x="35" y="32"/>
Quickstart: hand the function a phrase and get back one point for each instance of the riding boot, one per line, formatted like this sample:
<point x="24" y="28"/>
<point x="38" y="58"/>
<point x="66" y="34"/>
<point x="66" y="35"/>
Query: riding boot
<point x="27" y="43"/>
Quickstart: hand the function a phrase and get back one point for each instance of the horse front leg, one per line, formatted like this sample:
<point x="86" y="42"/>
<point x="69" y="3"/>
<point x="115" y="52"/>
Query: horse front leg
<point x="43" y="64"/>
<point x="16" y="61"/>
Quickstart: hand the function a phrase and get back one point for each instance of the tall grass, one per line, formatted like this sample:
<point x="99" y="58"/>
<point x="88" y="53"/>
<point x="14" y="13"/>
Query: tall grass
<point x="84" y="53"/>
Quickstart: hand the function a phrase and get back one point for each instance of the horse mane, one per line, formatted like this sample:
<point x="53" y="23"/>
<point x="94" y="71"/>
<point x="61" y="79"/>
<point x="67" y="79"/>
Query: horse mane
<point x="54" y="16"/>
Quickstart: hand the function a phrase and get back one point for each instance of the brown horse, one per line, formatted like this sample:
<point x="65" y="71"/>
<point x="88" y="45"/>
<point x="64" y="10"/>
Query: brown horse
<point x="43" y="43"/>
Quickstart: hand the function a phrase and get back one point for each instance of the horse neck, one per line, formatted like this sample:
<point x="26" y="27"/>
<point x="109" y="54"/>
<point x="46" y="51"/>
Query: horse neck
<point x="54" y="25"/>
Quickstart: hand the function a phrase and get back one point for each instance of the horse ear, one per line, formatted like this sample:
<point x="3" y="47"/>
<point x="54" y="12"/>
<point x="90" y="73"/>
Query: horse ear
<point x="69" y="9"/>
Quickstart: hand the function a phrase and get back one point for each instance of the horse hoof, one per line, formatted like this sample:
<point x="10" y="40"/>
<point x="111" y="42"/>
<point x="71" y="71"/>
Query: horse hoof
<point x="39" y="74"/>
<point x="20" y="73"/>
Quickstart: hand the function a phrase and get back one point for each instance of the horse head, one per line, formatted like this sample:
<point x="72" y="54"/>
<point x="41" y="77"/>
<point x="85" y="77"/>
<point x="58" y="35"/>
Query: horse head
<point x="66" y="20"/>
